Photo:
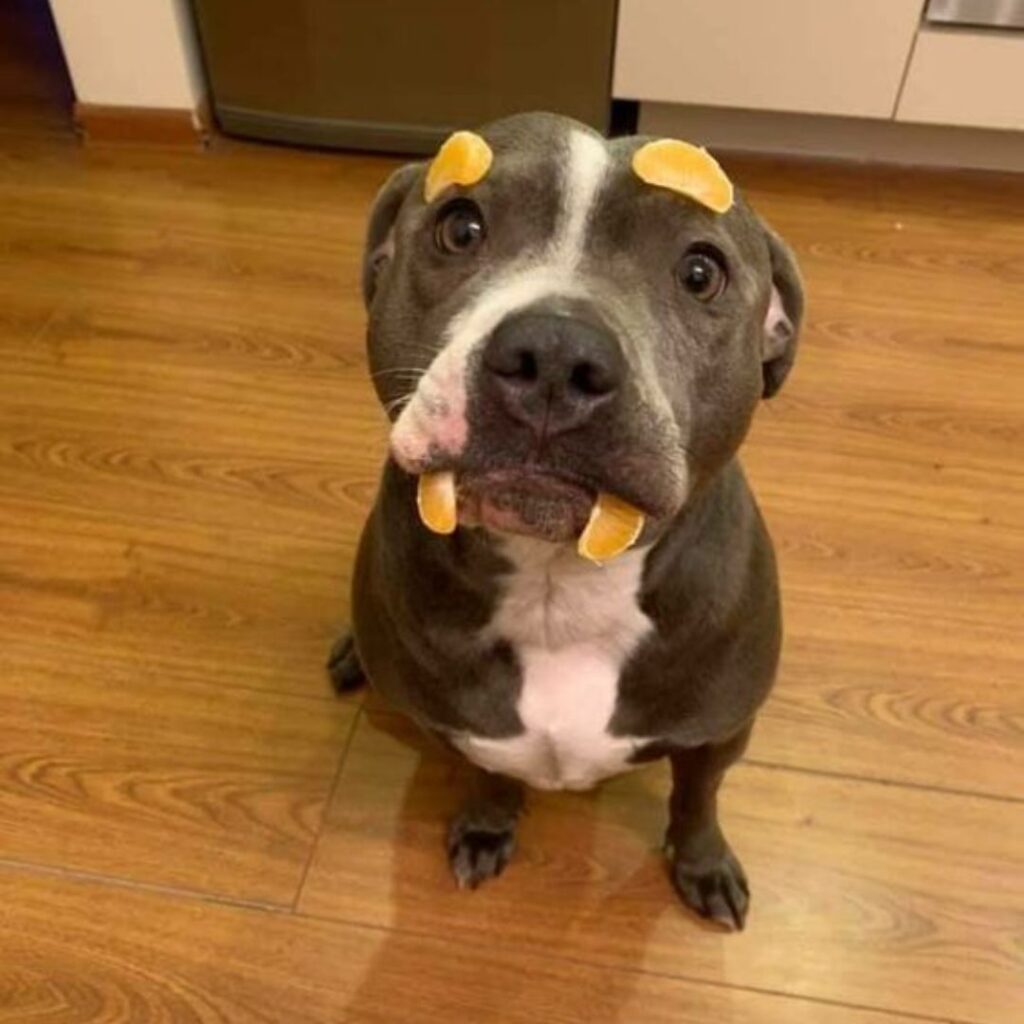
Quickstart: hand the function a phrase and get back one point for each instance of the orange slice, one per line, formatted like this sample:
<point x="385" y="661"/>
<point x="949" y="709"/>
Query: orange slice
<point x="463" y="159"/>
<point x="689" y="170"/>
<point x="435" y="500"/>
<point x="614" y="525"/>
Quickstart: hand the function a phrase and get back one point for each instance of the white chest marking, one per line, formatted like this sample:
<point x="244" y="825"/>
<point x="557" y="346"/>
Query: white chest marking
<point x="572" y="625"/>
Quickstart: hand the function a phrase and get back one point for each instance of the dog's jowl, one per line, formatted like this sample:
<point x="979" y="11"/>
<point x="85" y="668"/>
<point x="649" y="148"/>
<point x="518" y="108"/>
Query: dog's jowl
<point x="560" y="326"/>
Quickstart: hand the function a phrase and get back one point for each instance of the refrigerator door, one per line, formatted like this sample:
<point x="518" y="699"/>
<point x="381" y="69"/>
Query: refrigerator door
<point x="399" y="75"/>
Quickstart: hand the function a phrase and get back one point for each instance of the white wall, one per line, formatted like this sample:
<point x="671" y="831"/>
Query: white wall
<point x="133" y="53"/>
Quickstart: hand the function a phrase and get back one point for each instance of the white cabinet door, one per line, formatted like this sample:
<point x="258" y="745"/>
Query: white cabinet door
<point x="965" y="77"/>
<point x="842" y="57"/>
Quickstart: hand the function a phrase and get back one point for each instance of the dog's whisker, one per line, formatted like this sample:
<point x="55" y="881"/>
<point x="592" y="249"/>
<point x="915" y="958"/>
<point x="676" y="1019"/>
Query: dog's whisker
<point x="411" y="371"/>
<point x="398" y="403"/>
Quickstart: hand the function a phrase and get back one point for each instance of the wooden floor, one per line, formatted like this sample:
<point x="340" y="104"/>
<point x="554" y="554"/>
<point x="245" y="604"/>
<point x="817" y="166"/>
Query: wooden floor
<point x="193" y="830"/>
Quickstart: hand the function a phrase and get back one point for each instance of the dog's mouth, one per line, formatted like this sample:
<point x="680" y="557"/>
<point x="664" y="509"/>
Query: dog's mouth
<point x="533" y="503"/>
<point x="527" y="502"/>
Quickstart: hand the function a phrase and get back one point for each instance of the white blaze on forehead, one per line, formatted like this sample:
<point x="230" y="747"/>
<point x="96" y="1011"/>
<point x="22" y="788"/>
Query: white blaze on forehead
<point x="428" y="421"/>
<point x="551" y="271"/>
<point x="517" y="290"/>
<point x="584" y="174"/>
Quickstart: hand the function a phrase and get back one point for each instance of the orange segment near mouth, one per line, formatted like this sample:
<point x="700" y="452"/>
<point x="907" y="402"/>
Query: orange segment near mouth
<point x="613" y="528"/>
<point x="436" y="501"/>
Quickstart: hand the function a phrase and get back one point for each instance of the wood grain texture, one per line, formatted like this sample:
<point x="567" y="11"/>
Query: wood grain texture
<point x="188" y="445"/>
<point x="73" y="952"/>
<point x="861" y="890"/>
<point x="123" y="773"/>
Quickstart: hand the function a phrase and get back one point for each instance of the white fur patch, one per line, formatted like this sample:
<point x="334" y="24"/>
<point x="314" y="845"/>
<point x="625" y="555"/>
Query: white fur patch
<point x="584" y="174"/>
<point x="572" y="625"/>
<point x="435" y="415"/>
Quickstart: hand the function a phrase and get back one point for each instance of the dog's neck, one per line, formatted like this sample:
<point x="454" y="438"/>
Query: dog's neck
<point x="553" y="598"/>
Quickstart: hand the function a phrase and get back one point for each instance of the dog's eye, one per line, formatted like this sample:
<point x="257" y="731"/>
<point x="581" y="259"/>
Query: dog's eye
<point x="460" y="227"/>
<point x="702" y="273"/>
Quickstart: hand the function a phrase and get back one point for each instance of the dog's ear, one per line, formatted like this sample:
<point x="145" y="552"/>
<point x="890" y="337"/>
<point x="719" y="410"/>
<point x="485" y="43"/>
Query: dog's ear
<point x="784" y="316"/>
<point x="380" y="244"/>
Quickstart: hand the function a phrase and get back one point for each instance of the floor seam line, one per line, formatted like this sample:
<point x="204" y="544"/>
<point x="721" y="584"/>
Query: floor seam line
<point x="328" y="803"/>
<point x="872" y="780"/>
<point x="135" y="885"/>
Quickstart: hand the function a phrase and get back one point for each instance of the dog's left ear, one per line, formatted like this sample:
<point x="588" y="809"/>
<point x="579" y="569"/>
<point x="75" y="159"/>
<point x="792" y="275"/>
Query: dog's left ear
<point x="380" y="246"/>
<point x="784" y="316"/>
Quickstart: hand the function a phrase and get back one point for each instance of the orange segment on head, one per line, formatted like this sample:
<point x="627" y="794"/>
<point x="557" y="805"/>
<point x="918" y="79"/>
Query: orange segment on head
<point x="436" y="501"/>
<point x="613" y="527"/>
<point x="689" y="170"/>
<point x="463" y="159"/>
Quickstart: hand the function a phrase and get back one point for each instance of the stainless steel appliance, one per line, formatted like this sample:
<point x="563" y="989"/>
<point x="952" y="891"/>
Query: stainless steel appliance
<point x="1005" y="14"/>
<point x="399" y="75"/>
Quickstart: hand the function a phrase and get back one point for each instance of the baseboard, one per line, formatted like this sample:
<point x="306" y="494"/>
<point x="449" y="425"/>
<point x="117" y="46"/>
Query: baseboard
<point x="843" y="138"/>
<point x="146" y="126"/>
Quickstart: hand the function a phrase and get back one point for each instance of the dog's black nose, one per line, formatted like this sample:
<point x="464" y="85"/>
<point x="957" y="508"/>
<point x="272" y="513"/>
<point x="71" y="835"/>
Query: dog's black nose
<point x="552" y="371"/>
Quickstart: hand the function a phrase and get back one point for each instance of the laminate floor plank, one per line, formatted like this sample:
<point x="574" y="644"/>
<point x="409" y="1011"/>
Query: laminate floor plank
<point x="868" y="894"/>
<point x="72" y="951"/>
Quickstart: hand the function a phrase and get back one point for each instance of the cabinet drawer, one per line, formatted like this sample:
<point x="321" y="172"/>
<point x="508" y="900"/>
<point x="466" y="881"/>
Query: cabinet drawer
<point x="962" y="77"/>
<point x="814" y="56"/>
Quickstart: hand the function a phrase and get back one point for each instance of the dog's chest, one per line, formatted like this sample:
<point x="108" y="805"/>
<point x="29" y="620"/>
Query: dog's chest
<point x="572" y="626"/>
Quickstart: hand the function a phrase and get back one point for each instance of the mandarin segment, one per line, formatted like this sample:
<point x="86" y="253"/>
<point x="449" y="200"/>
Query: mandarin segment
<point x="463" y="159"/>
<point x="613" y="527"/>
<point x="687" y="169"/>
<point x="436" y="501"/>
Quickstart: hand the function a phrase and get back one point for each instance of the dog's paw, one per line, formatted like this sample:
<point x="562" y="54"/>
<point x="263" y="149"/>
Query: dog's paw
<point x="715" y="889"/>
<point x="344" y="667"/>
<point x="477" y="852"/>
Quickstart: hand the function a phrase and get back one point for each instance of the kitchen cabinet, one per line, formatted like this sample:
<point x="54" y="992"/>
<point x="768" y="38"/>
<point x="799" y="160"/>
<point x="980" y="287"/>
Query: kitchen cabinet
<point x="844" y="57"/>
<point x="965" y="77"/>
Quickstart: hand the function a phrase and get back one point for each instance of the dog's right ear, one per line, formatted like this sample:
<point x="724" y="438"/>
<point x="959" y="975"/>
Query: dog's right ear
<point x="380" y="243"/>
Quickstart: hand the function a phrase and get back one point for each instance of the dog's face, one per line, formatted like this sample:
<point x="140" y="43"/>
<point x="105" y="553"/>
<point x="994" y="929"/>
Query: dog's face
<point x="561" y="328"/>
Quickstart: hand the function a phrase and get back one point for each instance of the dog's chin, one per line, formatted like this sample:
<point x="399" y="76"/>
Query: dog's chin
<point x="527" y="503"/>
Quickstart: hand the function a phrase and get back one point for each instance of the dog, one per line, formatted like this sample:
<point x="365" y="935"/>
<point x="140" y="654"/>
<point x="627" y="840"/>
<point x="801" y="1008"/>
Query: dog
<point x="545" y="331"/>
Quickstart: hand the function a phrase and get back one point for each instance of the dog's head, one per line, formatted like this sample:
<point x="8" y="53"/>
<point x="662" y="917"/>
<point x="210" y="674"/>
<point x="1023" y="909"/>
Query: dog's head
<point x="561" y="328"/>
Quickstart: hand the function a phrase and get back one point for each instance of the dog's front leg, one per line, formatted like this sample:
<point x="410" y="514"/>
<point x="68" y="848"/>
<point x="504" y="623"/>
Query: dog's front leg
<point x="704" y="869"/>
<point x="482" y="836"/>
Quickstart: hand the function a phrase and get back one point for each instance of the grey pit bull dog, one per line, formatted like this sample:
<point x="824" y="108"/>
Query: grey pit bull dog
<point x="556" y="330"/>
